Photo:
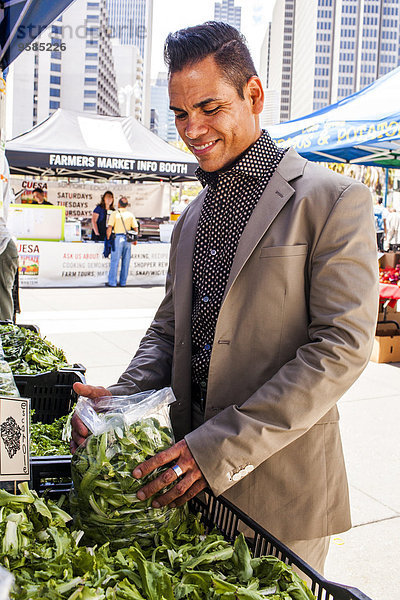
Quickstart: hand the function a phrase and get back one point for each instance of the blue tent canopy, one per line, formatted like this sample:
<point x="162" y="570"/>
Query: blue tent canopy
<point x="21" y="21"/>
<point x="363" y="128"/>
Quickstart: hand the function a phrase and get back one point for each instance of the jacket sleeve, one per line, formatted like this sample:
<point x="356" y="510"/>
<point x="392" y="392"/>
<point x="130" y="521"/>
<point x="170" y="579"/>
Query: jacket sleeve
<point x="343" y="307"/>
<point x="151" y="366"/>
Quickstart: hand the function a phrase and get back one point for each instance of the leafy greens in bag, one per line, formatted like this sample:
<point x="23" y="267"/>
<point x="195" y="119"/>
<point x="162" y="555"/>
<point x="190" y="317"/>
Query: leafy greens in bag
<point x="126" y="430"/>
<point x="7" y="383"/>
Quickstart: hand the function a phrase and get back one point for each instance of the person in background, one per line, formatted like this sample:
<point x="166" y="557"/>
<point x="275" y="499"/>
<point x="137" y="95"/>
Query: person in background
<point x="39" y="198"/>
<point x="381" y="215"/>
<point x="119" y="223"/>
<point x="8" y="252"/>
<point x="99" y="217"/>
<point x="393" y="229"/>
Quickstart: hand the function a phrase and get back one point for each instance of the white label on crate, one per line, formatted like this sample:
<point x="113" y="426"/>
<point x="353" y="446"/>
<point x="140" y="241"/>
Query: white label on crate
<point x="14" y="439"/>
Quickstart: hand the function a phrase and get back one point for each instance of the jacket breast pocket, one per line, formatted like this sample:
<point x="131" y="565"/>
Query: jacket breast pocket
<point x="281" y="251"/>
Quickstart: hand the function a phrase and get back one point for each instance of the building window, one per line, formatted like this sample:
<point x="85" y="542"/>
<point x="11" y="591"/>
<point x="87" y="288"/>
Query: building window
<point x="91" y="56"/>
<point x="93" y="4"/>
<point x="93" y="43"/>
<point x="56" y="54"/>
<point x="55" y="67"/>
<point x="55" y="79"/>
<point x="56" y="29"/>
<point x="53" y="105"/>
<point x="55" y="92"/>
<point x="89" y="106"/>
<point x="90" y="68"/>
<point x="90" y="93"/>
<point x="90" y="80"/>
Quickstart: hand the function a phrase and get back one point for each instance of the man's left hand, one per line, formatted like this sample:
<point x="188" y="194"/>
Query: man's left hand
<point x="190" y="483"/>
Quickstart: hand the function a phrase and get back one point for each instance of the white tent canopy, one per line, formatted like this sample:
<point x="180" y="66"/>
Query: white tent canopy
<point x="73" y="144"/>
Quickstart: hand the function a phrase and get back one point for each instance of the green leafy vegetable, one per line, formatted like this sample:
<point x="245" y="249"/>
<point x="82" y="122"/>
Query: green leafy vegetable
<point x="48" y="563"/>
<point x="7" y="383"/>
<point x="104" y="502"/>
<point x="27" y="352"/>
<point x="46" y="439"/>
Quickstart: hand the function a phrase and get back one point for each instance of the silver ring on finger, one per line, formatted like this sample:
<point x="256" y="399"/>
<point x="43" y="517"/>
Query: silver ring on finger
<point x="178" y="471"/>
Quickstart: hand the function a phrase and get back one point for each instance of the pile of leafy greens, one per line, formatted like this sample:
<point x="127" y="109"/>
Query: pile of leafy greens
<point x="28" y="353"/>
<point x="49" y="439"/>
<point x="48" y="562"/>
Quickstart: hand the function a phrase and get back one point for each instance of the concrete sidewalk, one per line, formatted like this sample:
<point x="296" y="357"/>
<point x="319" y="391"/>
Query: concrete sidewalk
<point x="102" y="327"/>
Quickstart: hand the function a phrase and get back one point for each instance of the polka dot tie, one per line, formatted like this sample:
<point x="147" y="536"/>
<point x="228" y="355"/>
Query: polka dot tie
<point x="231" y="197"/>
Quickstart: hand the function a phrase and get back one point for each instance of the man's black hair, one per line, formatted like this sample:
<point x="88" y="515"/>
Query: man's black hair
<point x="221" y="41"/>
<point x="380" y="200"/>
<point x="38" y="189"/>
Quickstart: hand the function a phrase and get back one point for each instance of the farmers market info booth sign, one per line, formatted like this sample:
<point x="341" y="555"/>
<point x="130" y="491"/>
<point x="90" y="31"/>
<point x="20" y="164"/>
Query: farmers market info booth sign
<point x="14" y="439"/>
<point x="77" y="162"/>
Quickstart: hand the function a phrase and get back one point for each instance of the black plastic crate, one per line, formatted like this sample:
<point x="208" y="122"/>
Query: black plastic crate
<point x="51" y="393"/>
<point x="51" y="474"/>
<point x="215" y="512"/>
<point x="229" y="520"/>
<point x="32" y="327"/>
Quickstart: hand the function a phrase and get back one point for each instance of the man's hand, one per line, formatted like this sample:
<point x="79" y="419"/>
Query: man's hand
<point x="79" y="430"/>
<point x="191" y="483"/>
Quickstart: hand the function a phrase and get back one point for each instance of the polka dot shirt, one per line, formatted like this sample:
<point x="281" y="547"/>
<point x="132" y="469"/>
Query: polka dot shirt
<point x="227" y="207"/>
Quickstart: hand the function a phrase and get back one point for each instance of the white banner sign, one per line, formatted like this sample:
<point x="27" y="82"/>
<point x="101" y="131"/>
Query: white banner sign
<point x="14" y="439"/>
<point x="62" y="264"/>
<point x="80" y="199"/>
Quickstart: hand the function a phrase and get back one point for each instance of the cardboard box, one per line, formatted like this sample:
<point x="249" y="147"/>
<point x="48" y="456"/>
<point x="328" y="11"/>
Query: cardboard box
<point x="386" y="347"/>
<point x="391" y="315"/>
<point x="389" y="259"/>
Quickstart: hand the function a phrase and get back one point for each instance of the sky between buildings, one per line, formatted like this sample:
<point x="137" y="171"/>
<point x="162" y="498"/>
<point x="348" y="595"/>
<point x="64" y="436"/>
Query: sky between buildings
<point x="170" y="15"/>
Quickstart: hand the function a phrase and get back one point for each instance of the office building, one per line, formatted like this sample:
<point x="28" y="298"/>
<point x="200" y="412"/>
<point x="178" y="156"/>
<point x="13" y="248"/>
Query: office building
<point x="229" y="13"/>
<point x="77" y="73"/>
<point x="324" y="50"/>
<point x="271" y="113"/>
<point x="130" y="23"/>
<point x="129" y="78"/>
<point x="159" y="101"/>
<point x="154" y="121"/>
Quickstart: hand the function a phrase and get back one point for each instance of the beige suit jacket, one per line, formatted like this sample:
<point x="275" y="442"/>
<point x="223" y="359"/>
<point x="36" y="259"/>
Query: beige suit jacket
<point x="294" y="332"/>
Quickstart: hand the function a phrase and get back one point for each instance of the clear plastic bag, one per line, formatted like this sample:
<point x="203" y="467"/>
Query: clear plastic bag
<point x="7" y="382"/>
<point x="126" y="430"/>
<point x="6" y="583"/>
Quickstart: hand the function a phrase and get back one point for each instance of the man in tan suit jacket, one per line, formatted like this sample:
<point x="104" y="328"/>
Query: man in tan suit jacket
<point x="294" y="328"/>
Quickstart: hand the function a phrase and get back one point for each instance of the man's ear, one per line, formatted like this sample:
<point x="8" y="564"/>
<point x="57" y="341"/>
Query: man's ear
<point x="254" y="91"/>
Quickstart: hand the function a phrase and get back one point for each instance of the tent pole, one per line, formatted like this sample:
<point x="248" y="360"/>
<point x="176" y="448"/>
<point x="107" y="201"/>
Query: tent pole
<point x="386" y="184"/>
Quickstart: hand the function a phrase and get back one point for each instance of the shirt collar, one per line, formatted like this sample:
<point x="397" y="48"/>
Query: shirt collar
<point x="251" y="163"/>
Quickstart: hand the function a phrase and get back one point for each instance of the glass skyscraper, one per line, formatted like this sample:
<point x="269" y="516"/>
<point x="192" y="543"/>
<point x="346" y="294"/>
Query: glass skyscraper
<point x="229" y="13"/>
<point x="128" y="22"/>
<point x="324" y="50"/>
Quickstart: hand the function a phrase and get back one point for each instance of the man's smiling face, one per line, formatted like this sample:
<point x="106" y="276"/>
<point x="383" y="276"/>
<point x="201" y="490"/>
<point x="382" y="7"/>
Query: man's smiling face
<point x="215" y="123"/>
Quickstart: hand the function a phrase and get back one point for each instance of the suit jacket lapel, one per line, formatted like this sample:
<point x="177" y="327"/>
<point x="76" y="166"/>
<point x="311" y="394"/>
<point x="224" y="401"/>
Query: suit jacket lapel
<point x="273" y="199"/>
<point x="184" y="268"/>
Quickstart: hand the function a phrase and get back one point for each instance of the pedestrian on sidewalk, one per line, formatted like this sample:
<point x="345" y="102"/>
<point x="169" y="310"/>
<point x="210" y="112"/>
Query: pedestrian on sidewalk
<point x="8" y="250"/>
<point x="120" y="222"/>
<point x="381" y="215"/>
